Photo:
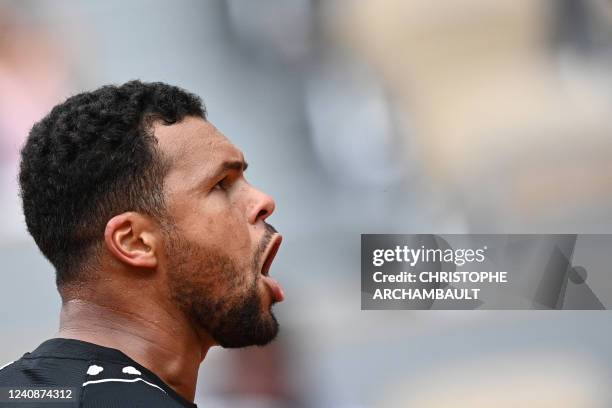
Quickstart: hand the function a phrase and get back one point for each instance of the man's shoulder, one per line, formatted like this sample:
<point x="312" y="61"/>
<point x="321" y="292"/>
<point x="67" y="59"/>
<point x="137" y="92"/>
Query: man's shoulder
<point x="42" y="371"/>
<point x="90" y="382"/>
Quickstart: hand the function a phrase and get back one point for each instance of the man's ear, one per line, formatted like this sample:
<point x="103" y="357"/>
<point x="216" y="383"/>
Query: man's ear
<point x="133" y="239"/>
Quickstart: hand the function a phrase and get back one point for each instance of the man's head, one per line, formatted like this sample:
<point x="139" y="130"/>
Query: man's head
<point x="132" y="180"/>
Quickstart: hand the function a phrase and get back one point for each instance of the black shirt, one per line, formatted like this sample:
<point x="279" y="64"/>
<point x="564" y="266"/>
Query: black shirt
<point x="74" y="373"/>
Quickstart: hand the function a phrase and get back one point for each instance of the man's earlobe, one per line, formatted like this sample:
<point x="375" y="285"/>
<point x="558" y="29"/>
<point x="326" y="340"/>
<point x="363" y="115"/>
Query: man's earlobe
<point x="131" y="239"/>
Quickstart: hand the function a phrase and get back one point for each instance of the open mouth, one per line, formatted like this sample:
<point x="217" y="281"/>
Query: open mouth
<point x="271" y="253"/>
<point x="276" y="291"/>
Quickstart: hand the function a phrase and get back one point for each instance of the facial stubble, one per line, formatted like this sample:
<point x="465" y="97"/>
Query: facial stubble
<point x="219" y="295"/>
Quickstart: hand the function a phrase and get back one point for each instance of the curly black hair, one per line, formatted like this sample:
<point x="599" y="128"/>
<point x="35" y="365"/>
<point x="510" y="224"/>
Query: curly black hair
<point x="92" y="157"/>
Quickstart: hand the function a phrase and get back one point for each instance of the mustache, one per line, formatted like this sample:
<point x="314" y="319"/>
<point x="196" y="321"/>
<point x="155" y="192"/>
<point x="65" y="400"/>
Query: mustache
<point x="270" y="229"/>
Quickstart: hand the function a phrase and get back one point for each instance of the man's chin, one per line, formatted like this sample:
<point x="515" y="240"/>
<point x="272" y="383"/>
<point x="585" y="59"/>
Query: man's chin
<point x="247" y="342"/>
<point x="237" y="333"/>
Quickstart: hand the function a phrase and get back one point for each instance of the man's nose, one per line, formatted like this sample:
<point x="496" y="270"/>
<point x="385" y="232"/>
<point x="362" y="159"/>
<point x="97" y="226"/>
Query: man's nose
<point x="262" y="206"/>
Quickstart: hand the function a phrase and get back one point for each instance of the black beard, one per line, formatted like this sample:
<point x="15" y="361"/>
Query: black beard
<point x="244" y="324"/>
<point x="209" y="287"/>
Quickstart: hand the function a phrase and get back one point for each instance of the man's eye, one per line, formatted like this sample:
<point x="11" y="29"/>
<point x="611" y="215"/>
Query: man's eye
<point x="222" y="184"/>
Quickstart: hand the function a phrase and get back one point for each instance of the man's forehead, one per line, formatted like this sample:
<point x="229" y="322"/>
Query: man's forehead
<point x="194" y="142"/>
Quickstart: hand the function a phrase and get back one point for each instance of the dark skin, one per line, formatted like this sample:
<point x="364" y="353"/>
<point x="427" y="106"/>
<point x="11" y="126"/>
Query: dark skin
<point x="129" y="306"/>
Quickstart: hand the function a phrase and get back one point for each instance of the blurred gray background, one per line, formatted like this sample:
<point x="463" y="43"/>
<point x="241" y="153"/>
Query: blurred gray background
<point x="385" y="116"/>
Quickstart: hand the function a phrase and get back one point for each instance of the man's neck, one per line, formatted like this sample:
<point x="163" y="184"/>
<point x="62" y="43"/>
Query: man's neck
<point x="165" y="344"/>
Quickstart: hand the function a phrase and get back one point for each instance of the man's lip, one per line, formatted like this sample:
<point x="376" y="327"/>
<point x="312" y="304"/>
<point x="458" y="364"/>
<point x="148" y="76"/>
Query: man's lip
<point x="270" y="253"/>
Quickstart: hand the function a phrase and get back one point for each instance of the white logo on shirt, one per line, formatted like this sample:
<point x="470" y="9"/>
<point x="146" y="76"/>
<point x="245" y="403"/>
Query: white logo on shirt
<point x="94" y="370"/>
<point x="130" y="370"/>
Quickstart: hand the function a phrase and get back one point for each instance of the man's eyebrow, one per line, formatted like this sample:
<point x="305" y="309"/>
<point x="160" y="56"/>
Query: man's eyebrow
<point x="235" y="165"/>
